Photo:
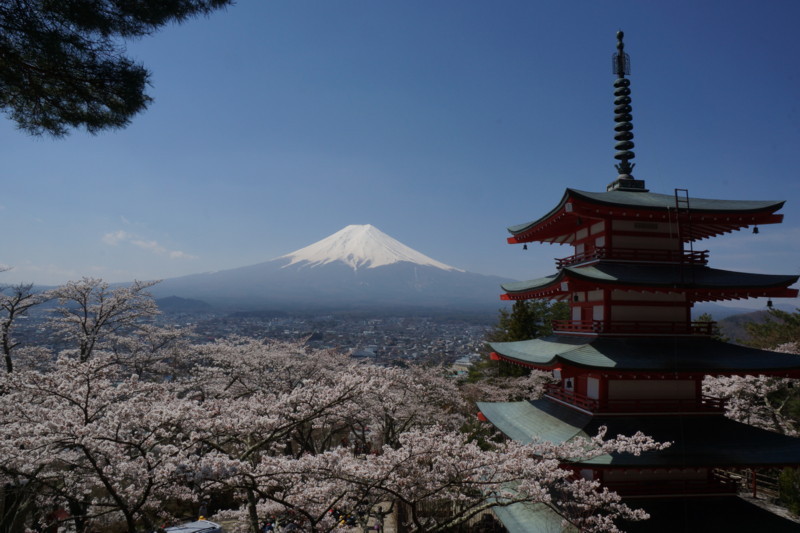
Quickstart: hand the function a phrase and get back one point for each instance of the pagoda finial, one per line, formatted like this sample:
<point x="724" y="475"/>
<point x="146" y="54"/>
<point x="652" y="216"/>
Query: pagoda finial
<point x="621" y="65"/>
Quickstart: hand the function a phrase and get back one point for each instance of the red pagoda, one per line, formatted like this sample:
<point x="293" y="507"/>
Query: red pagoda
<point x="630" y="357"/>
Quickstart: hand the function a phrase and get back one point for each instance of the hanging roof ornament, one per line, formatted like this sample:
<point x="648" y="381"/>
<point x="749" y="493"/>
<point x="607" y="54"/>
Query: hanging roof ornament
<point x="621" y="66"/>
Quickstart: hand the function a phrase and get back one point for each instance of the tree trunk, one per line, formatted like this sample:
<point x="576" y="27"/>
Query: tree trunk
<point x="252" y="511"/>
<point x="77" y="511"/>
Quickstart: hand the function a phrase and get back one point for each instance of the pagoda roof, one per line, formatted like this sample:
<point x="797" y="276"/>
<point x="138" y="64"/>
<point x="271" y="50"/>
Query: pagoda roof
<point x="723" y="284"/>
<point x="702" y="355"/>
<point x="531" y="518"/>
<point x="709" y="216"/>
<point x="667" y="515"/>
<point x="697" y="440"/>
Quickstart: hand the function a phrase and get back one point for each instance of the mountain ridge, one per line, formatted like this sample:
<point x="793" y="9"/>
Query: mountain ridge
<point x="357" y="267"/>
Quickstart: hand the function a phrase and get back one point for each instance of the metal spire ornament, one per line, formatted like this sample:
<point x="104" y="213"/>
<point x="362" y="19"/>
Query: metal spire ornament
<point x="622" y="111"/>
<point x="621" y="66"/>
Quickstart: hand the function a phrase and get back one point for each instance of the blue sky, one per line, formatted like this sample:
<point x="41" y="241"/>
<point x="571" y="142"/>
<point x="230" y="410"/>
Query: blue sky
<point x="442" y="123"/>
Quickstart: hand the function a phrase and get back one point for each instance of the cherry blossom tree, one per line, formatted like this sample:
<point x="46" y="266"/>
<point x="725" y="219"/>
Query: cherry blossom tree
<point x="402" y="399"/>
<point x="114" y="438"/>
<point x="90" y="310"/>
<point x="15" y="301"/>
<point x="761" y="401"/>
<point x="265" y="400"/>
<point x="494" y="389"/>
<point x="238" y="366"/>
<point x="109" y="449"/>
<point x="152" y="352"/>
<point x="435" y="467"/>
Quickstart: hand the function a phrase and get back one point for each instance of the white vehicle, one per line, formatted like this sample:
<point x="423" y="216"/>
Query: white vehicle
<point x="200" y="526"/>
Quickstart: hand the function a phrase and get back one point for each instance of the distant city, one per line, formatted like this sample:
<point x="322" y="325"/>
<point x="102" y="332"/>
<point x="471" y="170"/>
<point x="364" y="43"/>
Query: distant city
<point x="386" y="340"/>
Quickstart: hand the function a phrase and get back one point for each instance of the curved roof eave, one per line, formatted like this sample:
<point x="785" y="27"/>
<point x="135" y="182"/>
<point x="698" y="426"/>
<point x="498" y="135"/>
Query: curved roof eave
<point x="687" y="276"/>
<point x="692" y="277"/>
<point x="657" y="201"/>
<point x="540" y="283"/>
<point x="656" y="354"/>
<point x="519" y="228"/>
<point x="703" y="440"/>
<point x="653" y="202"/>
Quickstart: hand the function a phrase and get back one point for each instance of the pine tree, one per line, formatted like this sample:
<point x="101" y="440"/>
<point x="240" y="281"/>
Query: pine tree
<point x="63" y="63"/>
<point x="780" y="328"/>
<point x="528" y="319"/>
<point x="716" y="333"/>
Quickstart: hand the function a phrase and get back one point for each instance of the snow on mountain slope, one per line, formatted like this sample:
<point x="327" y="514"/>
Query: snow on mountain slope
<point x="360" y="246"/>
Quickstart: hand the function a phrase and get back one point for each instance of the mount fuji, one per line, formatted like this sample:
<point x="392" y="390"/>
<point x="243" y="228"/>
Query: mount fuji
<point x="358" y="267"/>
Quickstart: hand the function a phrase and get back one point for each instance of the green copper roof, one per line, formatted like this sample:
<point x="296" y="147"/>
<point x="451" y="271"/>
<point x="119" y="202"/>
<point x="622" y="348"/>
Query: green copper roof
<point x="526" y="421"/>
<point x="655" y="201"/>
<point x="667" y="354"/>
<point x="531" y="518"/>
<point x="698" y="440"/>
<point x="655" y="275"/>
<point x="652" y="200"/>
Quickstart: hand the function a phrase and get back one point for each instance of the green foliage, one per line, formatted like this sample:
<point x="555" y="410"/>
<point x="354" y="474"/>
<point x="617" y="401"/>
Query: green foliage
<point x="716" y="333"/>
<point x="789" y="489"/>
<point x="788" y="398"/>
<point x="780" y="328"/>
<point x="528" y="319"/>
<point x="63" y="63"/>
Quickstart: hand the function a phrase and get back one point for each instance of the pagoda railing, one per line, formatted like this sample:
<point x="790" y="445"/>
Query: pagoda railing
<point x="634" y="254"/>
<point x="715" y="485"/>
<point x="556" y="391"/>
<point x="634" y="327"/>
<point x="704" y="404"/>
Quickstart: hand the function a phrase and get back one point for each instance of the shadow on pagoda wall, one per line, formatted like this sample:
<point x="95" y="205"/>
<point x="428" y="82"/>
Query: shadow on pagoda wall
<point x="690" y="404"/>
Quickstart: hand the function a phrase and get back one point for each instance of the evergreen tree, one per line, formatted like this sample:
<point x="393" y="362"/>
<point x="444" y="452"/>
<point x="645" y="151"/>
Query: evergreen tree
<point x="528" y="319"/>
<point x="63" y="63"/>
<point x="789" y="489"/>
<point x="716" y="333"/>
<point x="780" y="328"/>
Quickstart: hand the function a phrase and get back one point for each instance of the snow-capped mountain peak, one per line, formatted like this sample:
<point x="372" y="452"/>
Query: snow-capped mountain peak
<point x="361" y="246"/>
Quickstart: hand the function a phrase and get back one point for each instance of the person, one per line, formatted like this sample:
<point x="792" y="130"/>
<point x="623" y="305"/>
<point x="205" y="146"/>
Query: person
<point x="203" y="509"/>
<point x="380" y="515"/>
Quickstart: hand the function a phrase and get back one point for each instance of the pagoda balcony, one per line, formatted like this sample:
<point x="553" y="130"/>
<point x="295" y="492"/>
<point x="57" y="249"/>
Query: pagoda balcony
<point x="633" y="254"/>
<point x="634" y="327"/>
<point x="704" y="404"/>
<point x="715" y="485"/>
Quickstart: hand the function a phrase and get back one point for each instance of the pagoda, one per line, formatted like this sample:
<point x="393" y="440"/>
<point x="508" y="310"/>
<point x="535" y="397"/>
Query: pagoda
<point x="631" y="358"/>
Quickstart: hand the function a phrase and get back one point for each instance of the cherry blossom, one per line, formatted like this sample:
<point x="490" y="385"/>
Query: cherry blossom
<point x="758" y="400"/>
<point x="107" y="448"/>
<point x="434" y="467"/>
<point x="143" y="420"/>
<point x="90" y="310"/>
